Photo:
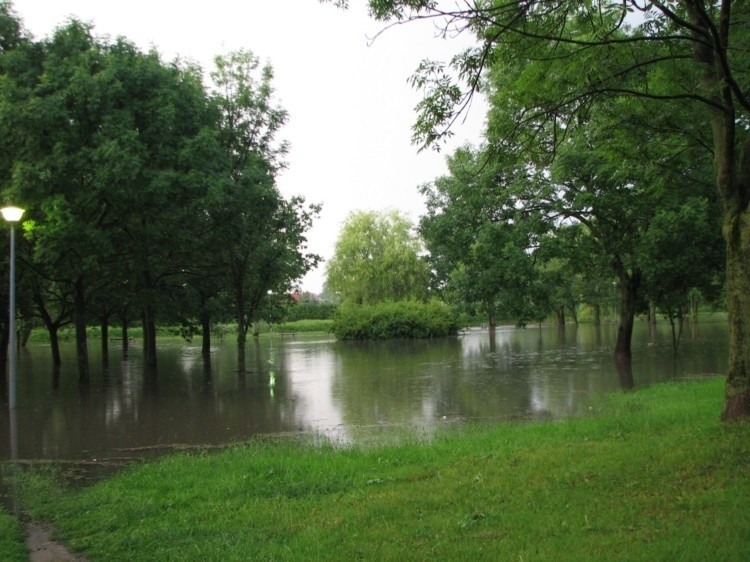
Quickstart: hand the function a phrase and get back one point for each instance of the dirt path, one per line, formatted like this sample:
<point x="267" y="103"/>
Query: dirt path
<point x="43" y="549"/>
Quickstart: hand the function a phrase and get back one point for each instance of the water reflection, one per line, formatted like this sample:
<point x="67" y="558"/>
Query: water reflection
<point x="318" y="385"/>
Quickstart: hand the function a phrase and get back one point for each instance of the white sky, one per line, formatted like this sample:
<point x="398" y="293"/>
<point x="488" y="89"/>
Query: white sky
<point x="350" y="107"/>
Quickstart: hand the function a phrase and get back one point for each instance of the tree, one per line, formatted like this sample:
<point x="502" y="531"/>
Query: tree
<point x="167" y="132"/>
<point x="377" y="259"/>
<point x="702" y="47"/>
<point x="585" y="270"/>
<point x="669" y="274"/>
<point x="145" y="193"/>
<point x="59" y="117"/>
<point x="482" y="259"/>
<point x="258" y="236"/>
<point x="106" y="144"/>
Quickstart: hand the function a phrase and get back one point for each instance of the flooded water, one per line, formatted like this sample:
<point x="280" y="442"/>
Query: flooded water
<point x="341" y="390"/>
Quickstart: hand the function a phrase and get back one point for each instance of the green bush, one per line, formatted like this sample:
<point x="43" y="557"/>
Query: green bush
<point x="394" y="320"/>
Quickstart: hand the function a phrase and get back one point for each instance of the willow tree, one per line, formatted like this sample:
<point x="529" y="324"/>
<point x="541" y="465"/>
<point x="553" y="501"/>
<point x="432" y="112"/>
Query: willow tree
<point x="377" y="259"/>
<point x="593" y="49"/>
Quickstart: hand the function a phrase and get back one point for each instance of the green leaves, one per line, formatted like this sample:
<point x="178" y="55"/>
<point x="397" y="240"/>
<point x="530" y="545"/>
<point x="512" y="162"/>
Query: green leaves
<point x="143" y="188"/>
<point x="377" y="258"/>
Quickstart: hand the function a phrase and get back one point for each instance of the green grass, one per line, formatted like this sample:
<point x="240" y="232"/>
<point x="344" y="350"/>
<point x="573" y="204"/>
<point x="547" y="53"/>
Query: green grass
<point x="302" y="326"/>
<point x="653" y="475"/>
<point x="67" y="334"/>
<point x="11" y="539"/>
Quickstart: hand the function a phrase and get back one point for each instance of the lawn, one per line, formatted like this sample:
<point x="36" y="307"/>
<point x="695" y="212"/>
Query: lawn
<point x="651" y="475"/>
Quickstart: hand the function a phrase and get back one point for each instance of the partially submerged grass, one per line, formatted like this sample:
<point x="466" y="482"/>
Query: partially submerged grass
<point x="653" y="476"/>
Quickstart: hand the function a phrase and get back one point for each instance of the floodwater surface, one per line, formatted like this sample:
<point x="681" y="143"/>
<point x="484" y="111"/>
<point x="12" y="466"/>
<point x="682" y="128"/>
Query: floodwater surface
<point x="344" y="391"/>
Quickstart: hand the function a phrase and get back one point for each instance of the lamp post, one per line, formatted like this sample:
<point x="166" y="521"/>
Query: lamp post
<point x="12" y="215"/>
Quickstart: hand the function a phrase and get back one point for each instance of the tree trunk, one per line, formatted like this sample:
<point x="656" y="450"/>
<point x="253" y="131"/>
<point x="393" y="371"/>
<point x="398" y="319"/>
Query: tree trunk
<point x="597" y="314"/>
<point x="149" y="336"/>
<point x="561" y="316"/>
<point x="54" y="342"/>
<point x="573" y="314"/>
<point x="125" y="337"/>
<point x="674" y="336"/>
<point x="737" y="392"/>
<point x="206" y="330"/>
<point x="104" y="322"/>
<point x="52" y="329"/>
<point x="628" y="289"/>
<point x="732" y="169"/>
<point x="25" y="332"/>
<point x="79" y="318"/>
<point x="241" y="344"/>
<point x="491" y="324"/>
<point x="694" y="303"/>
<point x="625" y="371"/>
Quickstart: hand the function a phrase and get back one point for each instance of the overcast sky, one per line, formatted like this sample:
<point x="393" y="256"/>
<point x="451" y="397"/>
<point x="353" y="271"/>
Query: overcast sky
<point x="350" y="107"/>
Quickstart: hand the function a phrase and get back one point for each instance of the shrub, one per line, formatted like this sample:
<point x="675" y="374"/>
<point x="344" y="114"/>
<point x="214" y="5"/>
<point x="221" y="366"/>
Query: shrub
<point x="394" y="320"/>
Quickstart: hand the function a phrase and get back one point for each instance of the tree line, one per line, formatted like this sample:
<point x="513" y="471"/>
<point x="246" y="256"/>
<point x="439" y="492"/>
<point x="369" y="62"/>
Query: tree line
<point x="149" y="191"/>
<point x="616" y="141"/>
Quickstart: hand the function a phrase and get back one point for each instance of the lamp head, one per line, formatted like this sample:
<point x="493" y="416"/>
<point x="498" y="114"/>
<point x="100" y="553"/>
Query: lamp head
<point x="12" y="214"/>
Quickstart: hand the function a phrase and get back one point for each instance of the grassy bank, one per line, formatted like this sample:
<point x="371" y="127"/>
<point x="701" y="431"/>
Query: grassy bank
<point x="653" y="475"/>
<point x="219" y="331"/>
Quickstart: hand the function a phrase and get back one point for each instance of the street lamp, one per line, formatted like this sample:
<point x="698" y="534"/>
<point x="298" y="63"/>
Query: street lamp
<point x="12" y="215"/>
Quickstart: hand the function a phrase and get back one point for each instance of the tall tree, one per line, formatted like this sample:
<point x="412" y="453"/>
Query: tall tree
<point x="167" y="136"/>
<point x="259" y="235"/>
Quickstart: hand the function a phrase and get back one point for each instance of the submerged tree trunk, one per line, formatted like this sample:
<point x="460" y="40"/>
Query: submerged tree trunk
<point x="25" y="332"/>
<point x="573" y="314"/>
<point x="560" y="316"/>
<point x="206" y="331"/>
<point x="676" y="329"/>
<point x="241" y="345"/>
<point x="491" y="324"/>
<point x="628" y="289"/>
<point x="54" y="343"/>
<point x="52" y="328"/>
<point x="694" y="301"/>
<point x="125" y="336"/>
<point x="597" y="314"/>
<point x="104" y="323"/>
<point x="149" y="336"/>
<point x="79" y="319"/>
